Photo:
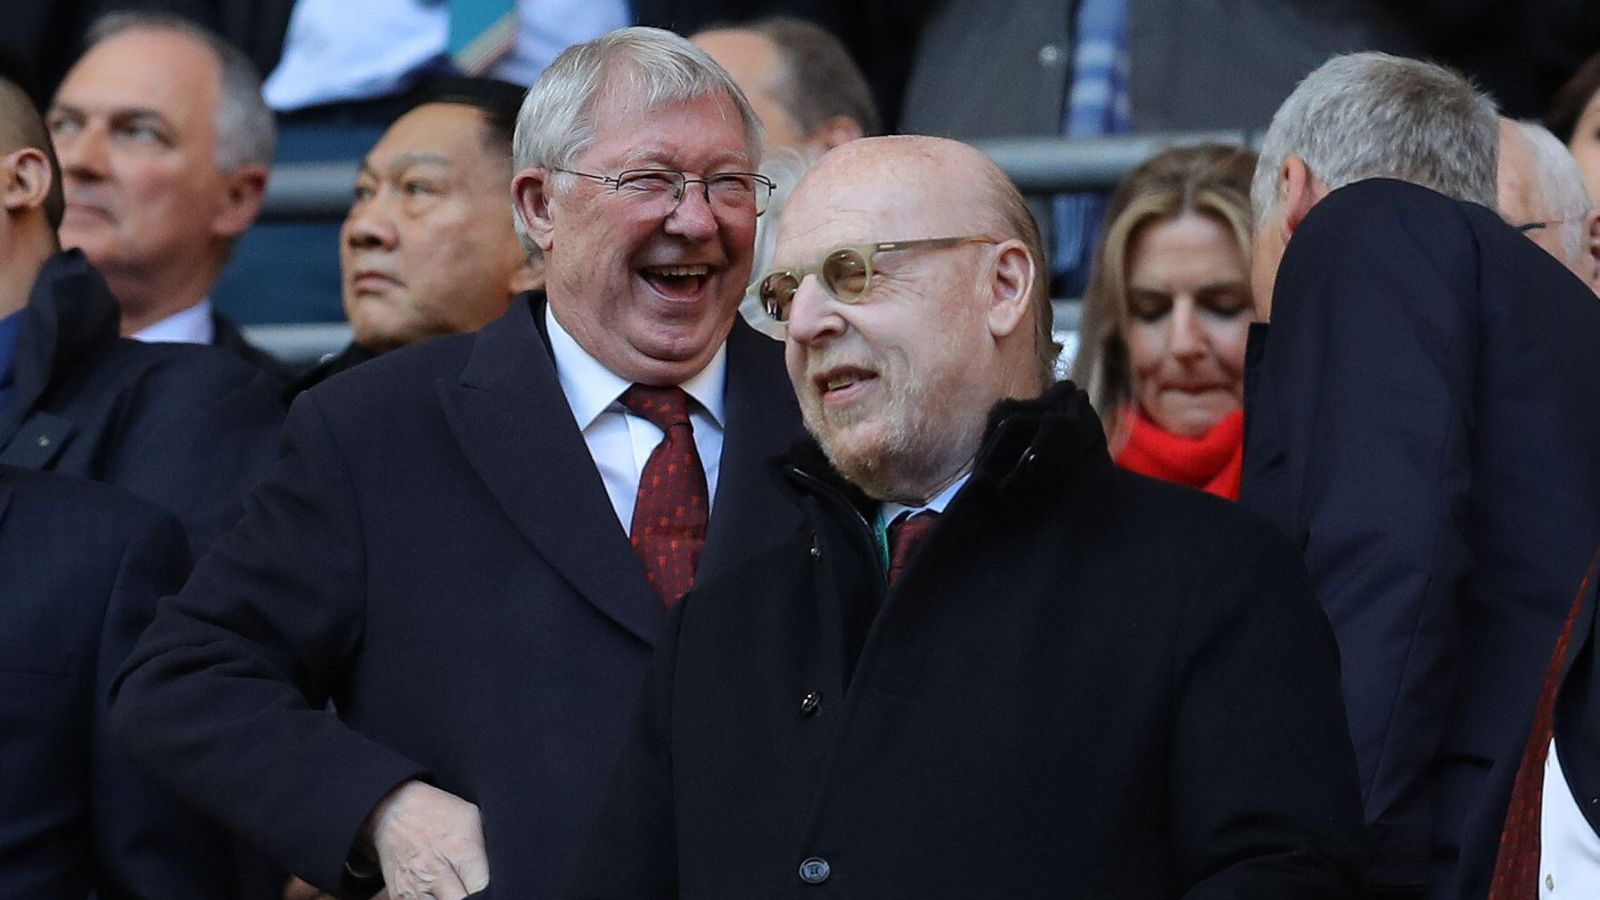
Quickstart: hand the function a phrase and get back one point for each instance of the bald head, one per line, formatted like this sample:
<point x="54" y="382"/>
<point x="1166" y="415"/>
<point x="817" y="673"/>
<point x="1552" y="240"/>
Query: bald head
<point x="1541" y="191"/>
<point x="934" y="187"/>
<point x="897" y="353"/>
<point x="22" y="126"/>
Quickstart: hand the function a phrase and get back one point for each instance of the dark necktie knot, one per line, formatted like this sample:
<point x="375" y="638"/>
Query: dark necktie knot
<point x="662" y="407"/>
<point x="905" y="535"/>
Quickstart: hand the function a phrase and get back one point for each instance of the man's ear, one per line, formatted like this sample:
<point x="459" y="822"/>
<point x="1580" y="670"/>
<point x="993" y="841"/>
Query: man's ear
<point x="530" y="202"/>
<point x="25" y="180"/>
<point x="243" y="189"/>
<point x="1298" y="191"/>
<point x="1011" y="287"/>
<point x="830" y="134"/>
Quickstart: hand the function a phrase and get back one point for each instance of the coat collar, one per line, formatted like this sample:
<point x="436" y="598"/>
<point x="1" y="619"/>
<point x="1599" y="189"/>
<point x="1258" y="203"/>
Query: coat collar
<point x="70" y="315"/>
<point x="1029" y="447"/>
<point x="514" y="425"/>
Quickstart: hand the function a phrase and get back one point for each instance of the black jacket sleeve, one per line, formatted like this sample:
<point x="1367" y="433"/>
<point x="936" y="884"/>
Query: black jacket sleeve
<point x="225" y="693"/>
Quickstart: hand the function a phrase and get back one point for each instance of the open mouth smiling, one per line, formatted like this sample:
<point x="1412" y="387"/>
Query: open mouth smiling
<point x="843" y="383"/>
<point x="676" y="282"/>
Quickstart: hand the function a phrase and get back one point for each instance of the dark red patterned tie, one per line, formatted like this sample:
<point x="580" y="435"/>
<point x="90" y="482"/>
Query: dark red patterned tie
<point x="672" y="507"/>
<point x="905" y="534"/>
<point x="1516" y="865"/>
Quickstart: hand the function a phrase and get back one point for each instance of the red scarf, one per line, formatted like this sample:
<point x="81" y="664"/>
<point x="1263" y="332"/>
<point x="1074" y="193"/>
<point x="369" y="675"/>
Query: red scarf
<point x="1212" y="462"/>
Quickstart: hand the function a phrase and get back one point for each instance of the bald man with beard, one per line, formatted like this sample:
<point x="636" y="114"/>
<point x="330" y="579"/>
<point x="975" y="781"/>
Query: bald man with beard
<point x="989" y="663"/>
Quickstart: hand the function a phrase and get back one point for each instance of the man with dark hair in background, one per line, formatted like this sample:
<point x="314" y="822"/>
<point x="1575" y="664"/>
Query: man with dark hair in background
<point x="190" y="428"/>
<point x="800" y="79"/>
<point x="164" y="144"/>
<point x="429" y="245"/>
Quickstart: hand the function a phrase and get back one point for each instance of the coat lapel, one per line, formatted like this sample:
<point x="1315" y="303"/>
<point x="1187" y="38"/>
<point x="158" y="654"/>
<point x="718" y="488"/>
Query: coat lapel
<point x="38" y="441"/>
<point x="513" y="423"/>
<point x="750" y="511"/>
<point x="70" y="313"/>
<point x="1264" y="485"/>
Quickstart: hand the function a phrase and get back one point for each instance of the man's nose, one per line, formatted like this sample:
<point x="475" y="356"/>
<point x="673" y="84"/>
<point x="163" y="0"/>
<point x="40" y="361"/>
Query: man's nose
<point x="84" y="153"/>
<point x="813" y="314"/>
<point x="370" y="225"/>
<point x="1187" y="340"/>
<point x="693" y="218"/>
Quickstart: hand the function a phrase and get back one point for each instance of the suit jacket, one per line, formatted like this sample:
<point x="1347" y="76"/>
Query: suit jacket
<point x="81" y="567"/>
<point x="1012" y="77"/>
<point x="1001" y="81"/>
<point x="190" y="428"/>
<point x="1420" y="419"/>
<point x="226" y="334"/>
<point x="435" y="553"/>
<point x="1086" y="683"/>
<point x="351" y="356"/>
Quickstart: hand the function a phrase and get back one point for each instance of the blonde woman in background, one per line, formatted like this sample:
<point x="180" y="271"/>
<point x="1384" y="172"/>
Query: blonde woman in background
<point x="1166" y="315"/>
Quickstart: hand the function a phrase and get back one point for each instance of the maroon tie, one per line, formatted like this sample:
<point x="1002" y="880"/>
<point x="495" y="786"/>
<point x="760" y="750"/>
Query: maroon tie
<point x="672" y="507"/>
<point x="905" y="533"/>
<point x="1516" y="865"/>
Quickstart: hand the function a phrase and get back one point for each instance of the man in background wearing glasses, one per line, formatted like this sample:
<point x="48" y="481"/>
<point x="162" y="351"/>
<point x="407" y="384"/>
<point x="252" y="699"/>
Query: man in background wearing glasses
<point x="471" y="545"/>
<point x="992" y="664"/>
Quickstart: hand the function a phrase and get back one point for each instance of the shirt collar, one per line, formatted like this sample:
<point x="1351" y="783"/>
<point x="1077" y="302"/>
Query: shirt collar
<point x="591" y="388"/>
<point x="187" y="326"/>
<point x="891" y="510"/>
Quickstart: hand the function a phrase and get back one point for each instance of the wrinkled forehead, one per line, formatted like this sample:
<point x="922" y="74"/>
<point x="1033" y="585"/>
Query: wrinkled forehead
<point x="869" y="202"/>
<point x="453" y="130"/>
<point x="635" y="130"/>
<point x="168" y="71"/>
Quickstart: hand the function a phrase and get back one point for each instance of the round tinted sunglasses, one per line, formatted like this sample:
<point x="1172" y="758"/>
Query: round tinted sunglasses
<point x="845" y="272"/>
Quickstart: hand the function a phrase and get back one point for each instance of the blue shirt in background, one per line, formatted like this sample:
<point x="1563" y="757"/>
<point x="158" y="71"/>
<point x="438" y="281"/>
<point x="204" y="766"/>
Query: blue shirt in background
<point x="10" y="328"/>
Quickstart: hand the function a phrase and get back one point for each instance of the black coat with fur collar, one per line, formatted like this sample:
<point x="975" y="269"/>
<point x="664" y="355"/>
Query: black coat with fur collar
<point x="1086" y="683"/>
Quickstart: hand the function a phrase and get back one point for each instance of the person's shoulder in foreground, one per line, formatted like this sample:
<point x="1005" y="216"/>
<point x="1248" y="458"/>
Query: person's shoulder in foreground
<point x="83" y="565"/>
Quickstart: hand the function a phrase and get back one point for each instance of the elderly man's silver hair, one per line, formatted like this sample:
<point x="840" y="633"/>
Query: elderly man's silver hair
<point x="245" y="129"/>
<point x="656" y="68"/>
<point x="1565" y="199"/>
<point x="1371" y="115"/>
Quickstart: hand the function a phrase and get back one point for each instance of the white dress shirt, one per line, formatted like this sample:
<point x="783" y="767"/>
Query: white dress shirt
<point x="1569" y="850"/>
<point x="891" y="510"/>
<point x="621" y="442"/>
<point x="547" y="27"/>
<point x="337" y="50"/>
<point x="189" y="326"/>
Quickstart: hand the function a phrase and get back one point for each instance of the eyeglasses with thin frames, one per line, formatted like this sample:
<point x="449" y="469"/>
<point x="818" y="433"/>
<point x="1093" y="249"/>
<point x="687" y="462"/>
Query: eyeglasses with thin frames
<point x="1527" y="227"/>
<point x="845" y="272"/>
<point x="725" y="190"/>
